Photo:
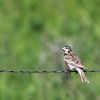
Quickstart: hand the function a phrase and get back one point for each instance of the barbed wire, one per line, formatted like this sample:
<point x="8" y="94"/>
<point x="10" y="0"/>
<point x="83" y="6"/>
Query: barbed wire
<point x="44" y="71"/>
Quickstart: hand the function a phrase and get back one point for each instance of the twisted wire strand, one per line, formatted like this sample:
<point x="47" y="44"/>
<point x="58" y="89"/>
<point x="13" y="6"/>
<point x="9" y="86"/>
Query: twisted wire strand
<point x="43" y="71"/>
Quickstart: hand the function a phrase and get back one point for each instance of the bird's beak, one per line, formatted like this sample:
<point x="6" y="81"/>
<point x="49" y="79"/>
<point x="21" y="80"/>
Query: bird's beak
<point x="62" y="48"/>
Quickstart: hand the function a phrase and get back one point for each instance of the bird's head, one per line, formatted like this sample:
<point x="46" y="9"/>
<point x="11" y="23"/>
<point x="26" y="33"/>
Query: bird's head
<point x="66" y="49"/>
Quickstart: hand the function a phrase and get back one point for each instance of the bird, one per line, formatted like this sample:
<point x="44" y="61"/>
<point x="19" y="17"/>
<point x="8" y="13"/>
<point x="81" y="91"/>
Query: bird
<point x="74" y="62"/>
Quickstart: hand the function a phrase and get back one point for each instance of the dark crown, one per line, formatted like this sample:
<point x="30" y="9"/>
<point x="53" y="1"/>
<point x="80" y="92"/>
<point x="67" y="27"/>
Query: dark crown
<point x="68" y="47"/>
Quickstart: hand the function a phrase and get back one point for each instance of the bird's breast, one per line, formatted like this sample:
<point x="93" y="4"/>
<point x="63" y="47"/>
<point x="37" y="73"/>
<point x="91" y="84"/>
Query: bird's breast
<point x="71" y="66"/>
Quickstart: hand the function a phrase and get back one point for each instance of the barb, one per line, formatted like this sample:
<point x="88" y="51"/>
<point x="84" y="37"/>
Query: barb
<point x="43" y="71"/>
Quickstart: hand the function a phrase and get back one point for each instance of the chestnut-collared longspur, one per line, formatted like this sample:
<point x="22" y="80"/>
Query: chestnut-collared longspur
<point x="73" y="62"/>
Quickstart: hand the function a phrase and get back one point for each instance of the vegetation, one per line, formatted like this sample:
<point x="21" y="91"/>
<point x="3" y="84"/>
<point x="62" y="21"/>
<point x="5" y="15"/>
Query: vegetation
<point x="31" y="35"/>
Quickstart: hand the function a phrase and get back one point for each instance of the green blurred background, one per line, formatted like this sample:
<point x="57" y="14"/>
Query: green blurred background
<point x="31" y="35"/>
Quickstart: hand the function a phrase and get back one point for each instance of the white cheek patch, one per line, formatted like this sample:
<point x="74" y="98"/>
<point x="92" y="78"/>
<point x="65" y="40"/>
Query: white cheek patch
<point x="66" y="51"/>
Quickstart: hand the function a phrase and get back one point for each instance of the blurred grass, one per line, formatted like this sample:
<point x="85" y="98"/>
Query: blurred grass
<point x="31" y="34"/>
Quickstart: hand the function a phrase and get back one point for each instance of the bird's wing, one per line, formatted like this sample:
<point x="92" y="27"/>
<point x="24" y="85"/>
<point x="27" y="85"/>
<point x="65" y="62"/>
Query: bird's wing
<point x="74" y="60"/>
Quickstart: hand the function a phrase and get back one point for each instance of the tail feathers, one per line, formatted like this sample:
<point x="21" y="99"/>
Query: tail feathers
<point x="82" y="75"/>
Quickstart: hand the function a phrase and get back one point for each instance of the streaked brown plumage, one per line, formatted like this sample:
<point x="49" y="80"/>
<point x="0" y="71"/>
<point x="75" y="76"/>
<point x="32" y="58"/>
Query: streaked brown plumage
<point x="73" y="62"/>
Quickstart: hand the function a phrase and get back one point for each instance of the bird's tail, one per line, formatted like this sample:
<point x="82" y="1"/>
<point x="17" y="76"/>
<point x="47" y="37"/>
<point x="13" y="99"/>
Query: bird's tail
<point x="82" y="75"/>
